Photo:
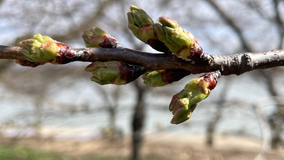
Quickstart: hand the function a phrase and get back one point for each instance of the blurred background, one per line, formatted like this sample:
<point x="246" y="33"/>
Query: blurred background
<point x="56" y="112"/>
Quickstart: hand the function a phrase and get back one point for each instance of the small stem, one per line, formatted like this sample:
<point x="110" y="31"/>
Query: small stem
<point x="11" y="52"/>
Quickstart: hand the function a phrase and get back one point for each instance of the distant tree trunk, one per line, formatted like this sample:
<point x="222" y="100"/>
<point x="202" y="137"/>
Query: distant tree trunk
<point x="211" y="127"/>
<point x="111" y="131"/>
<point x="113" y="111"/>
<point x="276" y="120"/>
<point x="137" y="123"/>
<point x="112" y="126"/>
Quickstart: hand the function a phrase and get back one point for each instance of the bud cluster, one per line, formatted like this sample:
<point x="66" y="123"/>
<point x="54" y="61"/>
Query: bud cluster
<point x="111" y="72"/>
<point x="184" y="102"/>
<point x="167" y="37"/>
<point x="178" y="40"/>
<point x="141" y="25"/>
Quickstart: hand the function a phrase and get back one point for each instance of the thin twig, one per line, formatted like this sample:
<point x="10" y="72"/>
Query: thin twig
<point x="7" y="52"/>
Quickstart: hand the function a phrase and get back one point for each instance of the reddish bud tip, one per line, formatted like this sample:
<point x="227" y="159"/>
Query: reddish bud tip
<point x="212" y="79"/>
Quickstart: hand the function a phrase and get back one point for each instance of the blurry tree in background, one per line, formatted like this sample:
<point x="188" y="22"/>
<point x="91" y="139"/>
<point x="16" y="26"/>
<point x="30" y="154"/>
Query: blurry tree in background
<point x="221" y="27"/>
<point x="263" y="18"/>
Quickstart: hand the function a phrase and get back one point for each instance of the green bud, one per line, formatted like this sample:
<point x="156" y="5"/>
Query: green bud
<point x="119" y="81"/>
<point x="198" y="89"/>
<point x="114" y="65"/>
<point x="154" y="79"/>
<point x="183" y="111"/>
<point x="97" y="37"/>
<point x="99" y="81"/>
<point x="105" y="72"/>
<point x="41" y="38"/>
<point x="141" y="24"/>
<point x="114" y="72"/>
<point x="39" y="48"/>
<point x="164" y="77"/>
<point x="174" y="37"/>
<point x="168" y="22"/>
<point x="94" y="66"/>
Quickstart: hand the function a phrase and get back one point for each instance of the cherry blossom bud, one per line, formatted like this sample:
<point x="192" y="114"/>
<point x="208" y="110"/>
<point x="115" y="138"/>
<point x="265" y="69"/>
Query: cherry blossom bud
<point x="114" y="72"/>
<point x="39" y="48"/>
<point x="198" y="89"/>
<point x="179" y="41"/>
<point x="97" y="37"/>
<point x="154" y="78"/>
<point x="164" y="77"/>
<point x="141" y="25"/>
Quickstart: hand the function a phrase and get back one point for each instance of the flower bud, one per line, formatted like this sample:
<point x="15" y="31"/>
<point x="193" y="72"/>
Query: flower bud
<point x="39" y="48"/>
<point x="114" y="72"/>
<point x="164" y="77"/>
<point x="104" y="75"/>
<point x="154" y="78"/>
<point x="179" y="41"/>
<point x="184" y="102"/>
<point x="141" y="25"/>
<point x="182" y="111"/>
<point x="94" y="66"/>
<point x="97" y="37"/>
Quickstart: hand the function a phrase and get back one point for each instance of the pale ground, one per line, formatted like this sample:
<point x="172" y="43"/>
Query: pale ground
<point x="158" y="146"/>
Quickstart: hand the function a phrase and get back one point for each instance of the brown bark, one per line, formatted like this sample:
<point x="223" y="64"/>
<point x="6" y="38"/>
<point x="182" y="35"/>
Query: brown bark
<point x="230" y="64"/>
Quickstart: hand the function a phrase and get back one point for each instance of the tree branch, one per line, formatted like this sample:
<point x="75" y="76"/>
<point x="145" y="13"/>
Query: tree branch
<point x="8" y="52"/>
<point x="230" y="64"/>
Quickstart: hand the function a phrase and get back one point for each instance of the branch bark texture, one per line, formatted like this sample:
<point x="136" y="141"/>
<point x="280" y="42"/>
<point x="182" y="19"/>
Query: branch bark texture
<point x="229" y="64"/>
